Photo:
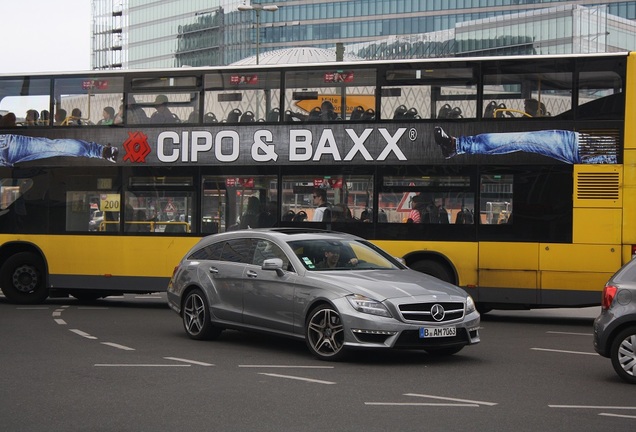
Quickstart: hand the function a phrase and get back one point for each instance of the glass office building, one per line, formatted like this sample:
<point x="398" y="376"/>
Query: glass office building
<point x="174" y="33"/>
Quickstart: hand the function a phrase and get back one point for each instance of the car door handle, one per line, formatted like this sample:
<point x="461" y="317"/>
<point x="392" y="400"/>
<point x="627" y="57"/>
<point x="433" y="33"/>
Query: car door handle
<point x="251" y="274"/>
<point x="214" y="270"/>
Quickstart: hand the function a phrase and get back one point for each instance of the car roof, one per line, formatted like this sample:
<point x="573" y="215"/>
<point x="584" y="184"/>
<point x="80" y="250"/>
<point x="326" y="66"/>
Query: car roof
<point x="281" y="234"/>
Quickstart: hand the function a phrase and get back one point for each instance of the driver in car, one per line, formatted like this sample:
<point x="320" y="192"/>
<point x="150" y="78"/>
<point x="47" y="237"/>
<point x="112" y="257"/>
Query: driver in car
<point x="332" y="259"/>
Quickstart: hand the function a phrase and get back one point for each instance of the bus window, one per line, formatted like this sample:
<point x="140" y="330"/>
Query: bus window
<point x="330" y="95"/>
<point x="28" y="100"/>
<point x="233" y="202"/>
<point x="349" y="198"/>
<point x="496" y="199"/>
<point x="159" y="204"/>
<point x="92" y="199"/>
<point x="431" y="199"/>
<point x="600" y="95"/>
<point x="242" y="97"/>
<point x="83" y="100"/>
<point x="163" y="108"/>
<point x="533" y="91"/>
<point x="435" y="92"/>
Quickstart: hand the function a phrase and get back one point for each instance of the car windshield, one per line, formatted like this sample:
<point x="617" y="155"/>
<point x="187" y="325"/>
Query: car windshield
<point x="332" y="254"/>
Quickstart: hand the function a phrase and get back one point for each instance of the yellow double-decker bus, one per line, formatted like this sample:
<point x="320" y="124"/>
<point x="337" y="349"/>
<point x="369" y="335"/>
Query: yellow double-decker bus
<point x="511" y="177"/>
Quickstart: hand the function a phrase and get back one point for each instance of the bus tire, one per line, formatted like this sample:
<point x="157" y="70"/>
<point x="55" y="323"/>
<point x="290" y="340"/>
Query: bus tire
<point x="23" y="279"/>
<point x="435" y="269"/>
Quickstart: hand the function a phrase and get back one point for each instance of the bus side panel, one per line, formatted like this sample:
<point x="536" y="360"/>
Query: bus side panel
<point x="120" y="260"/>
<point x="583" y="267"/>
<point x="629" y="192"/>
<point x="597" y="226"/>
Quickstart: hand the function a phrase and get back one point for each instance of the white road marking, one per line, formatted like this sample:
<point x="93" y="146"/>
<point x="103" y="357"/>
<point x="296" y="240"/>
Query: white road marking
<point x="617" y="415"/>
<point x="140" y="365"/>
<point x="121" y="347"/>
<point x="423" y="404"/>
<point x="451" y="399"/>
<point x="297" y="378"/>
<point x="60" y="321"/>
<point x="286" y="366"/>
<point x="57" y="313"/>
<point x="82" y="334"/>
<point x="189" y="361"/>
<point x="593" y="407"/>
<point x="564" y="351"/>
<point x="570" y="333"/>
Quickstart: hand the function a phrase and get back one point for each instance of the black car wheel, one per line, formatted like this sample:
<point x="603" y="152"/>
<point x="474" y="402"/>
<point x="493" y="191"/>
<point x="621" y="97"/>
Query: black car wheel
<point x="22" y="279"/>
<point x="325" y="333"/>
<point x="196" y="317"/>
<point x="623" y="354"/>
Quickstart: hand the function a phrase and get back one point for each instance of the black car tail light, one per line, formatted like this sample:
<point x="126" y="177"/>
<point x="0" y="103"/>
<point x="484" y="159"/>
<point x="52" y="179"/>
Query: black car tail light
<point x="609" y="292"/>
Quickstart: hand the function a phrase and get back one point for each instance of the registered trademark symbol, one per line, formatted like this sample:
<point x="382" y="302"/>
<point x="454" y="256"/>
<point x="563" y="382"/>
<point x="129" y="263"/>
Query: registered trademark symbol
<point x="413" y="134"/>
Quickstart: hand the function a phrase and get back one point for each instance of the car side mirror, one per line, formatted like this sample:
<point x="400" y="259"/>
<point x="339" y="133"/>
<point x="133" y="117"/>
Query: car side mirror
<point x="275" y="264"/>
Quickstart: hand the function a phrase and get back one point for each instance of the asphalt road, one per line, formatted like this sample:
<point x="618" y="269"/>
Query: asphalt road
<point x="125" y="364"/>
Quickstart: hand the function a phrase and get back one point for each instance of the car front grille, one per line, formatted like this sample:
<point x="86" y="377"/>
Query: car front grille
<point x="432" y="312"/>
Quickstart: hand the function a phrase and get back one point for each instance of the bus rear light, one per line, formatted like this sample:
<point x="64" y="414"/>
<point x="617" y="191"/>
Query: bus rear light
<point x="609" y="292"/>
<point x="633" y="251"/>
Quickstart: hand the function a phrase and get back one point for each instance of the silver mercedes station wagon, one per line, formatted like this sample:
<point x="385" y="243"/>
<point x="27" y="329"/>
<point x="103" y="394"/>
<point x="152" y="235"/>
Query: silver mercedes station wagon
<point x="336" y="291"/>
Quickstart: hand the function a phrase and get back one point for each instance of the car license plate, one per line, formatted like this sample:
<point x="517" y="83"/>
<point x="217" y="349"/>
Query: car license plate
<point x="428" y="332"/>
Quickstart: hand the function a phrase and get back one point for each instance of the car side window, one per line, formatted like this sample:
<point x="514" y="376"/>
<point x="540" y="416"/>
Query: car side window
<point x="238" y="251"/>
<point x="210" y="252"/>
<point x="265" y="249"/>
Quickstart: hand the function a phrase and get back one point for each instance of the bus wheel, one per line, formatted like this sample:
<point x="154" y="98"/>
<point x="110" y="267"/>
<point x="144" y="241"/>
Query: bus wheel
<point x="22" y="279"/>
<point x="435" y="269"/>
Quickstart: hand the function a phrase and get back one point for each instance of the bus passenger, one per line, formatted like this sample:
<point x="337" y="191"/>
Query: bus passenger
<point x="108" y="116"/>
<point x="249" y="219"/>
<point x="418" y="207"/>
<point x="76" y="118"/>
<point x="60" y="117"/>
<point x="45" y="118"/>
<point x="8" y="120"/>
<point x="162" y="113"/>
<point x="32" y="117"/>
<point x="323" y="210"/>
<point x="327" y="111"/>
<point x="119" y="117"/>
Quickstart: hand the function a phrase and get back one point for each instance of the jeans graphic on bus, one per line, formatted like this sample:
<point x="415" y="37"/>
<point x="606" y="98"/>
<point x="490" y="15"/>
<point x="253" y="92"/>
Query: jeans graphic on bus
<point x="18" y="148"/>
<point x="565" y="146"/>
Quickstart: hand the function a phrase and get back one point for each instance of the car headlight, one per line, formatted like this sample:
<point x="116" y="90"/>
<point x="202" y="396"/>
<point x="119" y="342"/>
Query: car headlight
<point x="366" y="305"/>
<point x="470" y="305"/>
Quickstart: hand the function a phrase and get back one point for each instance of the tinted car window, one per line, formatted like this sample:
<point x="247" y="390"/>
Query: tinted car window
<point x="238" y="251"/>
<point x="210" y="252"/>
<point x="265" y="250"/>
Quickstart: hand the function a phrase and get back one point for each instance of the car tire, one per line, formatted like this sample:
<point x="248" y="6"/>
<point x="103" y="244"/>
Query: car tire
<point x="196" y="317"/>
<point x="324" y="333"/>
<point x="623" y="354"/>
<point x="22" y="279"/>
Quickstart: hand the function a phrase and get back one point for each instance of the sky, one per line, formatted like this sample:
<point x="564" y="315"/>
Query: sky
<point x="45" y="35"/>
